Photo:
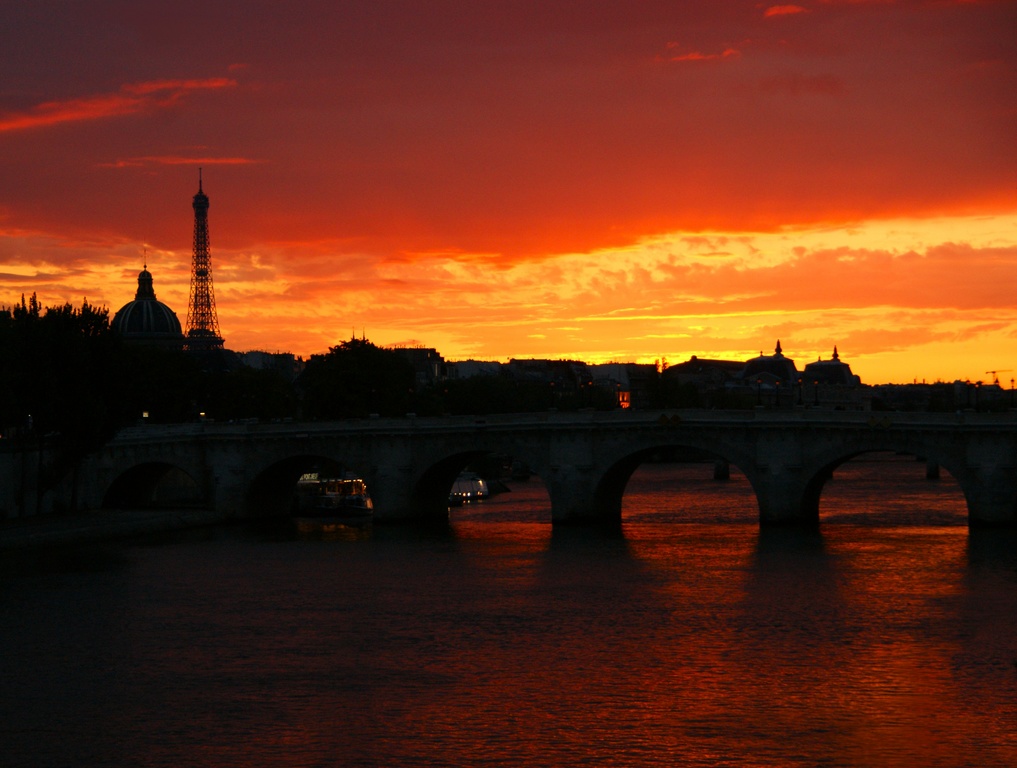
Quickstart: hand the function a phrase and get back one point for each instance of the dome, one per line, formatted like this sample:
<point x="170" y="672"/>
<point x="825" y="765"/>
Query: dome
<point x="146" y="320"/>
<point x="833" y="371"/>
<point x="776" y="365"/>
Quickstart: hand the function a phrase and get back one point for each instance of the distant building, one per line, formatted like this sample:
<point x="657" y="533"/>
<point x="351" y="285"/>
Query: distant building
<point x="705" y="372"/>
<point x="146" y="320"/>
<point x="287" y="365"/>
<point x="772" y="369"/>
<point x="630" y="383"/>
<point x="943" y="397"/>
<point x="466" y="369"/>
<point x="771" y="380"/>
<point x="569" y="382"/>
<point x="572" y="372"/>
<point x="428" y="366"/>
<point x="833" y="371"/>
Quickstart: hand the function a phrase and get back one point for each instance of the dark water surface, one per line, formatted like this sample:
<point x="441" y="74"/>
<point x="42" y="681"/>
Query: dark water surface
<point x="690" y="637"/>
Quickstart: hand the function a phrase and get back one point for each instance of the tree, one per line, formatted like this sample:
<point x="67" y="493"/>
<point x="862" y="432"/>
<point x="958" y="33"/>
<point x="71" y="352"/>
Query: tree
<point x="356" y="378"/>
<point x="61" y="381"/>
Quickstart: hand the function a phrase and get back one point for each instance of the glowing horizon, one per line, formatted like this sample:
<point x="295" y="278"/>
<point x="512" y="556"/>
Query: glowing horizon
<point x="600" y="183"/>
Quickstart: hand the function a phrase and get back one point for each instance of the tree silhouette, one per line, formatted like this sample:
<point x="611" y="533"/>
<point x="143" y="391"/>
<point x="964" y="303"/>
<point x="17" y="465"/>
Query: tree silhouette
<point x="62" y="381"/>
<point x="356" y="378"/>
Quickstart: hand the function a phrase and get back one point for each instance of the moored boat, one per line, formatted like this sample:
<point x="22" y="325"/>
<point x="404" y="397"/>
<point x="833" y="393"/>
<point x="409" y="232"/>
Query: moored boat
<point x="333" y="499"/>
<point x="469" y="486"/>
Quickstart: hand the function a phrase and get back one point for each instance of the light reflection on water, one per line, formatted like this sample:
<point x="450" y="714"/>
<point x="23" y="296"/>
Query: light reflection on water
<point x="689" y="636"/>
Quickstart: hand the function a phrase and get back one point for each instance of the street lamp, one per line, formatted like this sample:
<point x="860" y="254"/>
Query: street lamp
<point x="815" y="391"/>
<point x="800" y="401"/>
<point x="759" y="391"/>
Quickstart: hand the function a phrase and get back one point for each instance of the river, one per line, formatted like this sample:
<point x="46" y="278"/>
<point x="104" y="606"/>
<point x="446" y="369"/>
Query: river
<point x="687" y="637"/>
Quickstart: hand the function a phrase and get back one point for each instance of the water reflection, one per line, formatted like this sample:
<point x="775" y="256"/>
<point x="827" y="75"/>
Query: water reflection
<point x="887" y="489"/>
<point x="992" y="548"/>
<point x="984" y="664"/>
<point x="501" y="640"/>
<point x="687" y="493"/>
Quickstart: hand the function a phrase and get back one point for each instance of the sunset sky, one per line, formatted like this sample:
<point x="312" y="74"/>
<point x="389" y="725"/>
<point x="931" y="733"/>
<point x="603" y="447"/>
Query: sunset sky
<point x="626" y="181"/>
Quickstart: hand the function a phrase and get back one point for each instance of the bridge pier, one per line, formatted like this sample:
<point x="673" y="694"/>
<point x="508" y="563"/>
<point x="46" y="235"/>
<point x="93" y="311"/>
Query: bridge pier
<point x="786" y="492"/>
<point x="392" y="492"/>
<point x="574" y="498"/>
<point x="992" y="497"/>
<point x="226" y="492"/>
<point x="785" y="500"/>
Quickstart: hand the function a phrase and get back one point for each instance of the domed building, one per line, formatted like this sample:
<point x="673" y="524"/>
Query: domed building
<point x="771" y="368"/>
<point x="833" y="371"/>
<point x="146" y="320"/>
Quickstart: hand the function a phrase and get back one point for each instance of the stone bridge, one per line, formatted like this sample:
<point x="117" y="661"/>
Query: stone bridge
<point x="584" y="459"/>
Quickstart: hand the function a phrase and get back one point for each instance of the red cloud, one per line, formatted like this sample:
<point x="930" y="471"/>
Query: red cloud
<point x="783" y="10"/>
<point x="176" y="86"/>
<point x="137" y="162"/>
<point x="133" y="97"/>
<point x="727" y="53"/>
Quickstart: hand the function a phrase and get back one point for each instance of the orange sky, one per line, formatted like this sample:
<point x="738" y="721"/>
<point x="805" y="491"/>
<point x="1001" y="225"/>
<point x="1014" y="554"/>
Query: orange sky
<point x="596" y="180"/>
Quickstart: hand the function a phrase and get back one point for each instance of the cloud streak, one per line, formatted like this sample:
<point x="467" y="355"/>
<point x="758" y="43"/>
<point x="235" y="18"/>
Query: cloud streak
<point x="674" y="54"/>
<point x="783" y="10"/>
<point x="139" y="162"/>
<point x="130" y="99"/>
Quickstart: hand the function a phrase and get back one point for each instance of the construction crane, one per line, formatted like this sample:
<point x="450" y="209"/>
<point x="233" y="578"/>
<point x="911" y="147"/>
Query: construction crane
<point x="995" y="378"/>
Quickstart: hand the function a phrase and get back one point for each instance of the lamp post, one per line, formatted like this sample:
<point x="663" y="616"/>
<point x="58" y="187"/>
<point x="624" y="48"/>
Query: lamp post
<point x="800" y="401"/>
<point x="815" y="391"/>
<point x="759" y="391"/>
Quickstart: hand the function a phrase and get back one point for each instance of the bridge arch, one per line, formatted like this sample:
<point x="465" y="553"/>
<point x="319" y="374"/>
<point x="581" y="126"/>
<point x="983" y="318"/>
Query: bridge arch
<point x="272" y="490"/>
<point x="898" y="487"/>
<point x="429" y="499"/>
<point x="609" y="491"/>
<point x="154" y="484"/>
<point x="431" y="490"/>
<point x="821" y="470"/>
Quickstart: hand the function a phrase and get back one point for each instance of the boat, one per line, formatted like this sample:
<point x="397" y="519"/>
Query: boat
<point x="333" y="499"/>
<point x="468" y="486"/>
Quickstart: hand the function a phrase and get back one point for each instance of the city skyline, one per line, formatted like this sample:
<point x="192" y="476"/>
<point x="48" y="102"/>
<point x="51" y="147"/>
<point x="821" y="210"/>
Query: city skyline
<point x="589" y="181"/>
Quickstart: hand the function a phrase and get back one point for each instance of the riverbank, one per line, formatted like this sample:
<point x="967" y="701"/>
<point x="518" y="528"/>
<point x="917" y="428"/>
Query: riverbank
<point x="28" y="533"/>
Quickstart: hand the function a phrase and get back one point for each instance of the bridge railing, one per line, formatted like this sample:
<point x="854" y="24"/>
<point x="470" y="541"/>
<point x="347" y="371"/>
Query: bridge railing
<point x="607" y="419"/>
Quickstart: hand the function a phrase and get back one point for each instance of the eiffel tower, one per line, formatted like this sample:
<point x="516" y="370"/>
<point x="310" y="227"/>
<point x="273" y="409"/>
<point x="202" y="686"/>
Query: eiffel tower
<point x="202" y="323"/>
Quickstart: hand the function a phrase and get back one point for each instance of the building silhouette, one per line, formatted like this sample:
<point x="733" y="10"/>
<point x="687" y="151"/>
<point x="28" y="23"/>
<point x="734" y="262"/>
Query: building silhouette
<point x="146" y="320"/>
<point x="833" y="371"/>
<point x="772" y="370"/>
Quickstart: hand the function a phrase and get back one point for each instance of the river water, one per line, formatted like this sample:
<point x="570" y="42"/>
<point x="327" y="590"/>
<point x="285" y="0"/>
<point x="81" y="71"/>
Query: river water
<point x="689" y="637"/>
